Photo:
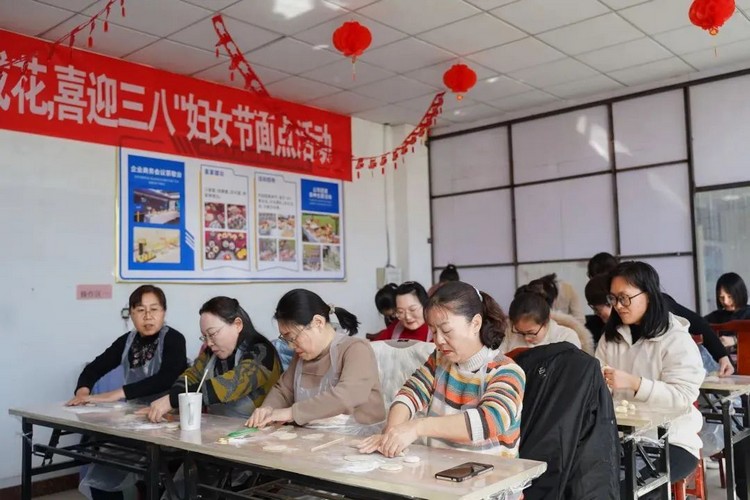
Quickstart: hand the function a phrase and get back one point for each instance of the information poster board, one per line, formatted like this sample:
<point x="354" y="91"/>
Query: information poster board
<point x="187" y="219"/>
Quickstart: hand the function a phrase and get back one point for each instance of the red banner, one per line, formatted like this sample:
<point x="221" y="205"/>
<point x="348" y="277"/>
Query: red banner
<point x="76" y="94"/>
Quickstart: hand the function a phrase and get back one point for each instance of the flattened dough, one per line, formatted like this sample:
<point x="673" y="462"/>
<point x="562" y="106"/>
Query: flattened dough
<point x="411" y="459"/>
<point x="275" y="447"/>
<point x="313" y="437"/>
<point x="391" y="467"/>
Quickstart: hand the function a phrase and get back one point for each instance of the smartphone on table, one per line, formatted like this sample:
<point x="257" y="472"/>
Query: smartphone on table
<point x="464" y="471"/>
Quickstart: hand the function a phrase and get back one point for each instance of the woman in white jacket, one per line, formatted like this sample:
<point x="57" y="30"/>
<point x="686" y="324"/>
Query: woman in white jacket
<point x="649" y="356"/>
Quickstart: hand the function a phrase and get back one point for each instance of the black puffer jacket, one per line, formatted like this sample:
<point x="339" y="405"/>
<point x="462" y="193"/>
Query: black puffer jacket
<point x="568" y="421"/>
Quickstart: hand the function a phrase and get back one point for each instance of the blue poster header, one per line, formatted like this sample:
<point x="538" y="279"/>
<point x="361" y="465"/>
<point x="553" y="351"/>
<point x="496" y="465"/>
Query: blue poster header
<point x="319" y="196"/>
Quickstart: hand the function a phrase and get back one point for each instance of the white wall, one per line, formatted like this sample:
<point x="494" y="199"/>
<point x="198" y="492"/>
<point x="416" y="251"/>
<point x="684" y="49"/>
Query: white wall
<point x="57" y="200"/>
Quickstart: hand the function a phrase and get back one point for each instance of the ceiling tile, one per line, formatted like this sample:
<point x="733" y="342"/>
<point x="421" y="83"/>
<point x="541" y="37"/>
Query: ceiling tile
<point x="657" y="16"/>
<point x="220" y="74"/>
<point x="626" y="54"/>
<point x="395" y="89"/>
<point x="156" y="18"/>
<point x="72" y="5"/>
<point x="291" y="56"/>
<point x="496" y="87"/>
<point x="472" y="34"/>
<point x="723" y="55"/>
<point x="212" y="5"/>
<point x="554" y="73"/>
<point x="651" y="72"/>
<point x="405" y="55"/>
<point x="416" y="16"/>
<point x="340" y="74"/>
<point x="116" y="42"/>
<point x="602" y="31"/>
<point x="588" y="87"/>
<point x="346" y="103"/>
<point x="473" y="113"/>
<point x="174" y="57"/>
<point x="34" y="19"/>
<point x="433" y="75"/>
<point x="393" y="115"/>
<point x="536" y="16"/>
<point x="517" y="55"/>
<point x="298" y="89"/>
<point x="246" y="36"/>
<point x="352" y="4"/>
<point x="692" y="39"/>
<point x="523" y="101"/>
<point x="284" y="16"/>
<point x="490" y="4"/>
<point x="322" y="34"/>
<point x="621" y="4"/>
<point x="450" y="103"/>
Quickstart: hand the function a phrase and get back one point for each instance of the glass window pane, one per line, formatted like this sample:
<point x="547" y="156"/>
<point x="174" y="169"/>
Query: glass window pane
<point x="472" y="229"/>
<point x="722" y="220"/>
<point x="654" y="210"/>
<point x="650" y="129"/>
<point x="720" y="114"/>
<point x="467" y="162"/>
<point x="571" y="219"/>
<point x="561" y="145"/>
<point x="676" y="277"/>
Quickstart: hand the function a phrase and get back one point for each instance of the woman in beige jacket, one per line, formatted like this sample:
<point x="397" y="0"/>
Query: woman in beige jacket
<point x="649" y="356"/>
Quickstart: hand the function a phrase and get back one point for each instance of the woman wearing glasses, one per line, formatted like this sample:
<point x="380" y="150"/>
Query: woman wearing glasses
<point x="531" y="324"/>
<point x="333" y="379"/>
<point x="648" y="356"/>
<point x="242" y="364"/>
<point x="150" y="357"/>
<point x="411" y="299"/>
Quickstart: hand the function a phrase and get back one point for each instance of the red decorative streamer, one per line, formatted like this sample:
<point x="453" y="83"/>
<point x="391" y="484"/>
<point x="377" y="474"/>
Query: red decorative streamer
<point x="238" y="61"/>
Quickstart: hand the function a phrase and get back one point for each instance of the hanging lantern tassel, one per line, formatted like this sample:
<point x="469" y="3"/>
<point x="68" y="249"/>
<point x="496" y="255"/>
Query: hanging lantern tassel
<point x="460" y="78"/>
<point x="383" y="163"/>
<point x="352" y="39"/>
<point x="711" y="14"/>
<point x="90" y="41"/>
<point x="122" y="7"/>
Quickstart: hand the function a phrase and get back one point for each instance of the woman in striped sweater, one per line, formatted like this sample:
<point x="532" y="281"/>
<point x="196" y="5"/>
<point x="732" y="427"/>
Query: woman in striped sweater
<point x="470" y="393"/>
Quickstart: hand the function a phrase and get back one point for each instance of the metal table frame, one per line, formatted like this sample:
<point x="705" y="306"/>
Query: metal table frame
<point x="636" y="486"/>
<point x="736" y="429"/>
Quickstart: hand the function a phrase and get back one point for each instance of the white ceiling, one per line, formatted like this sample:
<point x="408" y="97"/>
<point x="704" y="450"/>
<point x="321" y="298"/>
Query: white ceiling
<point x="527" y="53"/>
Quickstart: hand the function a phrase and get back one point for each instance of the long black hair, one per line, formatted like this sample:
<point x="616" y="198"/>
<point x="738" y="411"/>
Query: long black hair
<point x="545" y="286"/>
<point x="601" y="263"/>
<point x="732" y="283"/>
<point x="385" y="298"/>
<point x="298" y="306"/>
<point x="464" y="300"/>
<point x="655" y="321"/>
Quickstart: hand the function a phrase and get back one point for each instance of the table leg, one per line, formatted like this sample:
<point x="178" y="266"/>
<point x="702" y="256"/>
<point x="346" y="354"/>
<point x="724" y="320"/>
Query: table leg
<point x="631" y="485"/>
<point x="152" y="476"/>
<point x="741" y="458"/>
<point x="27" y="431"/>
<point x="726" y="418"/>
<point x="665" y="490"/>
<point x="191" y="476"/>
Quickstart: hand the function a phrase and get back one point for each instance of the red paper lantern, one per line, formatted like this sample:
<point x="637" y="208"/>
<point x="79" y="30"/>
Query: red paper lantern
<point x="352" y="39"/>
<point x="711" y="14"/>
<point x="460" y="78"/>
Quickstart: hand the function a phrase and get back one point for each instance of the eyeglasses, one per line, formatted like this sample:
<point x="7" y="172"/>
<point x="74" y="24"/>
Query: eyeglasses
<point x="153" y="311"/>
<point x="292" y="339"/>
<point x="210" y="335"/>
<point x="412" y="311"/>
<point x="528" y="334"/>
<point x="624" y="300"/>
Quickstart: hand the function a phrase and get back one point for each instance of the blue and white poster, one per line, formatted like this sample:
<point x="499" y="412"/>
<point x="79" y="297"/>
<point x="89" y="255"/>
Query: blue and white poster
<point x="186" y="219"/>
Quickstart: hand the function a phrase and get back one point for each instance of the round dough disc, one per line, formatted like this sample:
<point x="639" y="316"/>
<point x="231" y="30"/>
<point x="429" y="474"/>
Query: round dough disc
<point x="391" y="467"/>
<point x="358" y="458"/>
<point x="275" y="447"/>
<point x="313" y="437"/>
<point x="286" y="436"/>
<point x="411" y="459"/>
<point x="621" y="409"/>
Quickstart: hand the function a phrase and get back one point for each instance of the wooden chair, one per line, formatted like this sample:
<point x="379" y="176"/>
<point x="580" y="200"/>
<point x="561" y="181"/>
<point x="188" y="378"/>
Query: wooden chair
<point x="740" y="328"/>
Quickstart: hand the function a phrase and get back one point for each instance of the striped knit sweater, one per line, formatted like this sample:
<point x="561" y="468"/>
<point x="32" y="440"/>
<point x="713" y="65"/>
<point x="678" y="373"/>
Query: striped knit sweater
<point x="497" y="416"/>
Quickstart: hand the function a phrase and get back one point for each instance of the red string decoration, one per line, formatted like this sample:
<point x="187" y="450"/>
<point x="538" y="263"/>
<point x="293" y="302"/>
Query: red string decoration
<point x="460" y="78"/>
<point x="711" y="14"/>
<point x="238" y="61"/>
